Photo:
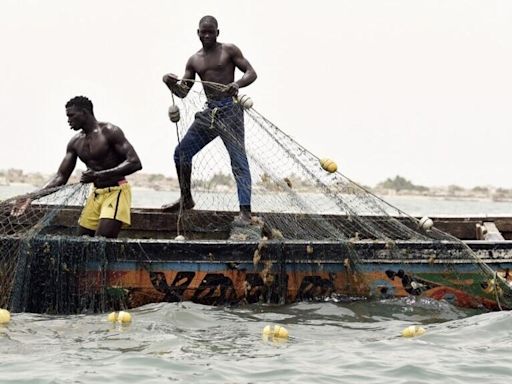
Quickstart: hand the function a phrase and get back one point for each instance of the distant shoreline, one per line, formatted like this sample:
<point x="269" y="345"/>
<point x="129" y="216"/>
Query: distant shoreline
<point x="386" y="194"/>
<point x="398" y="186"/>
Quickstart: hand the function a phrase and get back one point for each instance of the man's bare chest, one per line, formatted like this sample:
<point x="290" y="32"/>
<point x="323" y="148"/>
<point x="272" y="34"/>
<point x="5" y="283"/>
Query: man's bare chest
<point x="213" y="63"/>
<point x="93" y="148"/>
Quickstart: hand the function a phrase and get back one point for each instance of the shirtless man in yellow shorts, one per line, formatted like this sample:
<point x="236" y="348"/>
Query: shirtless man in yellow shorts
<point x="109" y="157"/>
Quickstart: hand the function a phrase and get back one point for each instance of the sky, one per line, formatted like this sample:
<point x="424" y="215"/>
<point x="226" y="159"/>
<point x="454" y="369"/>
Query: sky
<point x="421" y="89"/>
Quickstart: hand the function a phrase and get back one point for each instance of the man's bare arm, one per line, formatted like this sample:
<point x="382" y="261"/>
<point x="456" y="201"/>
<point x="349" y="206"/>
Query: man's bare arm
<point x="65" y="169"/>
<point x="243" y="65"/>
<point x="182" y="88"/>
<point x="61" y="177"/>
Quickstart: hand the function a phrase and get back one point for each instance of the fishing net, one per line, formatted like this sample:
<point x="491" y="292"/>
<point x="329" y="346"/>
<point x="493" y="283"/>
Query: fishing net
<point x="314" y="234"/>
<point x="19" y="232"/>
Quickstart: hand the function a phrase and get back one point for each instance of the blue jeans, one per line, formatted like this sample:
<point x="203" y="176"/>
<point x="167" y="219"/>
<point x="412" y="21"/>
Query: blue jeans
<point x="226" y="120"/>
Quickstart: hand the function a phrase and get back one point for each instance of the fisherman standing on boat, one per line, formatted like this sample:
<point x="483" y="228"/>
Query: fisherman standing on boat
<point x="109" y="157"/>
<point x="214" y="63"/>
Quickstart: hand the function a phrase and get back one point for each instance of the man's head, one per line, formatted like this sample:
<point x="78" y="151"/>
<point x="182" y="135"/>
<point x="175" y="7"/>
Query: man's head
<point x="208" y="31"/>
<point x="79" y="110"/>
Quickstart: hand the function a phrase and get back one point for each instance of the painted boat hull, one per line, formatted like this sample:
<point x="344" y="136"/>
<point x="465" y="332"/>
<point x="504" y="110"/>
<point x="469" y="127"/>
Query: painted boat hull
<point x="102" y="277"/>
<point x="69" y="274"/>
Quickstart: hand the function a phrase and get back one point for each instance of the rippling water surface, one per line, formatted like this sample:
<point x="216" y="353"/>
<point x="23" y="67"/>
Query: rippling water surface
<point x="329" y="342"/>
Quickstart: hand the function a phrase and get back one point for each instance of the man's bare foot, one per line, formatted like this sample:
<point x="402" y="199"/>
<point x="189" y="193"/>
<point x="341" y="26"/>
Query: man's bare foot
<point x="175" y="207"/>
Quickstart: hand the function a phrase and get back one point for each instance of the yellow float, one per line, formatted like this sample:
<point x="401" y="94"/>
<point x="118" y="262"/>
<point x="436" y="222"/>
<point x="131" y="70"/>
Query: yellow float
<point x="275" y="333"/>
<point x="328" y="165"/>
<point x="122" y="317"/>
<point x="413" y="331"/>
<point x="5" y="316"/>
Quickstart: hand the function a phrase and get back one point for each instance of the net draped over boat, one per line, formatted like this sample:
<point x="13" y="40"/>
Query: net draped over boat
<point x="315" y="234"/>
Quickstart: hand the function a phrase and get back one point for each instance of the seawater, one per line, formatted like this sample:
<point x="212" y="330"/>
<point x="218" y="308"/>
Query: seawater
<point x="413" y="205"/>
<point x="330" y="341"/>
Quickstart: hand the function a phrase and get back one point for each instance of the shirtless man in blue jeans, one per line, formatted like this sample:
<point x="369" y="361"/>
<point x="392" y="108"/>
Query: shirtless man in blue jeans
<point x="215" y="62"/>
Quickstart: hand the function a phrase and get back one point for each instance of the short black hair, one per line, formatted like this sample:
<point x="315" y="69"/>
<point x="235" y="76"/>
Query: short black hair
<point x="81" y="102"/>
<point x="209" y="19"/>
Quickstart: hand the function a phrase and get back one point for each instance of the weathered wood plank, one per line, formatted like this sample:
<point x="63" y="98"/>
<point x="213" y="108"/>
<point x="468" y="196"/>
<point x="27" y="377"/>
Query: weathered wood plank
<point x="153" y="223"/>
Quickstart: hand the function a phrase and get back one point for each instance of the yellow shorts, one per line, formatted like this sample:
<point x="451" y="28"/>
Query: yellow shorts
<point x="107" y="203"/>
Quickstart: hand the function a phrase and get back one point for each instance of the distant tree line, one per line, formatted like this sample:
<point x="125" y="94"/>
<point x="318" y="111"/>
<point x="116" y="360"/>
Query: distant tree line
<point x="294" y="181"/>
<point x="400" y="183"/>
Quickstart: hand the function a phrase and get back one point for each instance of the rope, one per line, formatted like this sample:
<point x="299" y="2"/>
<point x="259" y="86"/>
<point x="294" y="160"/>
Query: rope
<point x="180" y="212"/>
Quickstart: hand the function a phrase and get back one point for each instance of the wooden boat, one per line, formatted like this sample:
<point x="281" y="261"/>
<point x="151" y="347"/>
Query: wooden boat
<point x="70" y="274"/>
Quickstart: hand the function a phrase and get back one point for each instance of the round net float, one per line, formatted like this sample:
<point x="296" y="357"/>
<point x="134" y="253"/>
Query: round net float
<point x="112" y="317"/>
<point x="280" y="332"/>
<point x="124" y="317"/>
<point x="328" y="165"/>
<point x="426" y="223"/>
<point x="274" y="332"/>
<point x="245" y="101"/>
<point x="5" y="316"/>
<point x="174" y="113"/>
<point x="413" y="331"/>
<point x="267" y="330"/>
